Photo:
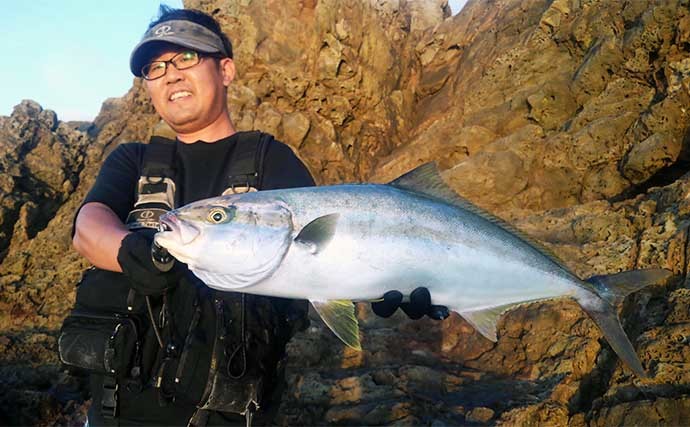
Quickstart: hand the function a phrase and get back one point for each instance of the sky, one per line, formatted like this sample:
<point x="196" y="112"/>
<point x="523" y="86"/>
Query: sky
<point x="71" y="55"/>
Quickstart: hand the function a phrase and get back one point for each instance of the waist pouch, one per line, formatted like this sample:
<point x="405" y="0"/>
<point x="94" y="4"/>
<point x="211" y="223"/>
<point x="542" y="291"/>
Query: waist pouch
<point x="233" y="395"/>
<point x="237" y="378"/>
<point x="104" y="344"/>
<point x="102" y="334"/>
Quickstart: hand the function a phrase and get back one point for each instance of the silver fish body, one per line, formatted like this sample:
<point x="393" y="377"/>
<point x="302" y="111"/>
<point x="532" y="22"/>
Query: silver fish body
<point x="379" y="245"/>
<point x="355" y="242"/>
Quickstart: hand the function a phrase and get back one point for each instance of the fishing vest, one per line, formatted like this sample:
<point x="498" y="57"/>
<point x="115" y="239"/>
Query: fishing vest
<point x="164" y="342"/>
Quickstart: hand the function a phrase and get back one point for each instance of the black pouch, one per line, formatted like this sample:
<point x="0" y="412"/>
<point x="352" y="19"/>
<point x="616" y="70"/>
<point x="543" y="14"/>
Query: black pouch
<point x="103" y="332"/>
<point x="100" y="343"/>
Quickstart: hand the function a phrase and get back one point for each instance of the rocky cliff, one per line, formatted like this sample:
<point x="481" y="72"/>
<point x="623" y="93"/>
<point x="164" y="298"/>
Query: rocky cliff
<point x="565" y="117"/>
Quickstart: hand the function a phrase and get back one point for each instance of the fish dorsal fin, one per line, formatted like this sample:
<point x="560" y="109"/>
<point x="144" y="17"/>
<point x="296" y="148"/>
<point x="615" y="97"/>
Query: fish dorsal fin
<point x="339" y="316"/>
<point x="426" y="180"/>
<point x="318" y="233"/>
<point x="484" y="321"/>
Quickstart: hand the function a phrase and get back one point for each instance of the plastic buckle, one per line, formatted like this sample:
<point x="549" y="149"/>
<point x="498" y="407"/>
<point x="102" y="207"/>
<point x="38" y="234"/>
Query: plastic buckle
<point x="147" y="193"/>
<point x="237" y="188"/>
<point x="109" y="398"/>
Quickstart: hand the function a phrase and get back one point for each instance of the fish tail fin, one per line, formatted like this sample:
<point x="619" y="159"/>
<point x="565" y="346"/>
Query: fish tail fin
<point x="607" y="292"/>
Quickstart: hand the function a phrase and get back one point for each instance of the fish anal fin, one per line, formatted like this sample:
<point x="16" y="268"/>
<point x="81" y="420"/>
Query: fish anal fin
<point x="485" y="320"/>
<point x="339" y="316"/>
<point x="318" y="232"/>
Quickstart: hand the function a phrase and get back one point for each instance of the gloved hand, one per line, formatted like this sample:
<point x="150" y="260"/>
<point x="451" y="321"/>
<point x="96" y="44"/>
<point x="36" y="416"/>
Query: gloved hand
<point x="419" y="305"/>
<point x="134" y="257"/>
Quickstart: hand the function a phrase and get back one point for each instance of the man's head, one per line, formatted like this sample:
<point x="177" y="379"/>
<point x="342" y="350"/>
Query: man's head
<point x="188" y="28"/>
<point x="186" y="61"/>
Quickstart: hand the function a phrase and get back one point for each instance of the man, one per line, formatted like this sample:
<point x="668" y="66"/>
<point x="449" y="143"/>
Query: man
<point x="204" y="357"/>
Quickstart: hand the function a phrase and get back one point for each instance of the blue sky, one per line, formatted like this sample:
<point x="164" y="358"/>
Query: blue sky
<point x="71" y="55"/>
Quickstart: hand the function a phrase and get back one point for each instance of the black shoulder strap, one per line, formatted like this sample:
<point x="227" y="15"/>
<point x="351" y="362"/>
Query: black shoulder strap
<point x="155" y="192"/>
<point x="245" y="170"/>
<point x="159" y="158"/>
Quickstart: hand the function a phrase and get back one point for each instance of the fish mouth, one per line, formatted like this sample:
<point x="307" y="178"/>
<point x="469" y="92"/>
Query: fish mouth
<point x="170" y="228"/>
<point x="168" y="224"/>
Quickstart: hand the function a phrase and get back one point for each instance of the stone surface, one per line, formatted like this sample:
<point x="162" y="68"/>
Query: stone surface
<point x="566" y="118"/>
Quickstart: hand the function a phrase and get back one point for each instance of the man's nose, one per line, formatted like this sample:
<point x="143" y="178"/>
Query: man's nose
<point x="172" y="74"/>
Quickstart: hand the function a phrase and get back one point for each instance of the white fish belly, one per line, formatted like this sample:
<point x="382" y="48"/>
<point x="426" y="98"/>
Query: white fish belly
<point x="460" y="277"/>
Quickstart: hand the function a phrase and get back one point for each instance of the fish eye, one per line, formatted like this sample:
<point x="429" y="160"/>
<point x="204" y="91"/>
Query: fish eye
<point x="218" y="215"/>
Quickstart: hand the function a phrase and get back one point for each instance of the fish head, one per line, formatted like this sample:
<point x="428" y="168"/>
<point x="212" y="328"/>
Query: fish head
<point x="231" y="236"/>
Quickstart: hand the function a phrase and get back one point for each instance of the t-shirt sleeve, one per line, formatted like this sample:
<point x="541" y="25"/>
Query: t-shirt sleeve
<point x="283" y="169"/>
<point x="116" y="183"/>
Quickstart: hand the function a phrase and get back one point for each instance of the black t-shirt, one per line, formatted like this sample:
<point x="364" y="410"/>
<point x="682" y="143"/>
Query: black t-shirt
<point x="199" y="168"/>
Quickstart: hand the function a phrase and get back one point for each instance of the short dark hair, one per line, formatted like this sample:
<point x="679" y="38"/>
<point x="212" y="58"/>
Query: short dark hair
<point x="167" y="13"/>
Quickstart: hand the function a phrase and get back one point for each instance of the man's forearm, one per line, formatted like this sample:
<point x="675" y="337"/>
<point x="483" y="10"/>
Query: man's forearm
<point x="98" y="235"/>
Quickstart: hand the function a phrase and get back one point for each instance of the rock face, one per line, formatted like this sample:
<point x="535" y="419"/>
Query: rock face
<point x="565" y="117"/>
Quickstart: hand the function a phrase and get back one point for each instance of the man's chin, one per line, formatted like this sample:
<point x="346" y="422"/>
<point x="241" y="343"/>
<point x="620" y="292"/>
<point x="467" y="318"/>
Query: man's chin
<point x="185" y="124"/>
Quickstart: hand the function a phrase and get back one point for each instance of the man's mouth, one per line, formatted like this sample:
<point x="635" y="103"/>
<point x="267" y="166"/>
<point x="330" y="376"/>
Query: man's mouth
<point x="178" y="95"/>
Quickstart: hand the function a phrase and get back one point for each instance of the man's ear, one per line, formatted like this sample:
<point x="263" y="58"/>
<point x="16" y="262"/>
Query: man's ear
<point x="227" y="68"/>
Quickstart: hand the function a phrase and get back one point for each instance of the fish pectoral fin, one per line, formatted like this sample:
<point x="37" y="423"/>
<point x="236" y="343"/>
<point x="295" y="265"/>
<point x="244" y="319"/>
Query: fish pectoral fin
<point x="339" y="316"/>
<point x="485" y="320"/>
<point x="318" y="233"/>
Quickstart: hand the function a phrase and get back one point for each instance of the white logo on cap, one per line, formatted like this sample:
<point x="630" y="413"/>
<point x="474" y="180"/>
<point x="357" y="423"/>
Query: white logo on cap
<point x="163" y="31"/>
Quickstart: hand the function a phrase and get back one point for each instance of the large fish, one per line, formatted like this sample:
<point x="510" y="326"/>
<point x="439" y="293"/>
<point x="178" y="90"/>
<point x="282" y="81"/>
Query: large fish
<point x="336" y="244"/>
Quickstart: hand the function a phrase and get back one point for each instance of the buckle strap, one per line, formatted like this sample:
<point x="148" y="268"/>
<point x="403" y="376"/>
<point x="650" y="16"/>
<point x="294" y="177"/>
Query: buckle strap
<point x="155" y="189"/>
<point x="245" y="170"/>
<point x="159" y="158"/>
<point x="156" y="186"/>
<point x="109" y="397"/>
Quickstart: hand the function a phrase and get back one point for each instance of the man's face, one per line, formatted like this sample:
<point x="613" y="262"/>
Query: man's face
<point x="191" y="99"/>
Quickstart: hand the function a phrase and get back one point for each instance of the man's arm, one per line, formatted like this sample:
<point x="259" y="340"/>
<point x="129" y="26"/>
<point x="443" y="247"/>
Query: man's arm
<point x="98" y="235"/>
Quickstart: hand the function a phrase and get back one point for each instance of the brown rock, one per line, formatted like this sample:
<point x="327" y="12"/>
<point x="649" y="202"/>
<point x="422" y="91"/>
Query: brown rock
<point x="651" y="155"/>
<point x="666" y="411"/>
<point x="501" y="174"/>
<point x="480" y="415"/>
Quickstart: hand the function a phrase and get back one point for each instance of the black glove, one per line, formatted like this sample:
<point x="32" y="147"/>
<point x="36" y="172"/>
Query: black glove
<point x="134" y="257"/>
<point x="419" y="305"/>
